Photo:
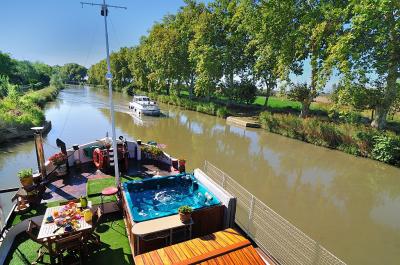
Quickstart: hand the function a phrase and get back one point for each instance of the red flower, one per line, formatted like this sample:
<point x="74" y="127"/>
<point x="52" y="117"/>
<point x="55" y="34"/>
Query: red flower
<point x="58" y="159"/>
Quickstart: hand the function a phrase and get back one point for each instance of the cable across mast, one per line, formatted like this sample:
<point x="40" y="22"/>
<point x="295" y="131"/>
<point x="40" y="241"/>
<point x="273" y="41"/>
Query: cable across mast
<point x="104" y="13"/>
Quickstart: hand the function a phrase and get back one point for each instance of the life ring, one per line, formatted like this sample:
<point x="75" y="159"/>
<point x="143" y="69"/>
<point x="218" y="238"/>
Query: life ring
<point x="98" y="158"/>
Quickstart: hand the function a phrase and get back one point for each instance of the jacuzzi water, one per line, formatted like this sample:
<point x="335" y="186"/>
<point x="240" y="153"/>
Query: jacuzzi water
<point x="159" y="197"/>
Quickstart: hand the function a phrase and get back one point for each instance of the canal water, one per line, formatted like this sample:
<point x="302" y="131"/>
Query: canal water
<point x="350" y="205"/>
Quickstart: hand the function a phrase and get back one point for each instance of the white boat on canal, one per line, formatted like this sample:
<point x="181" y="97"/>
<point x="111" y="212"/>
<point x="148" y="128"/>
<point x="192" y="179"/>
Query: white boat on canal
<point x="142" y="105"/>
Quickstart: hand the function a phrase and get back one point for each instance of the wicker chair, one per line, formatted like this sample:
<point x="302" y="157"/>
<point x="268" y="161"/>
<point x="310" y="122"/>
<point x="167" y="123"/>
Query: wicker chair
<point x="45" y="245"/>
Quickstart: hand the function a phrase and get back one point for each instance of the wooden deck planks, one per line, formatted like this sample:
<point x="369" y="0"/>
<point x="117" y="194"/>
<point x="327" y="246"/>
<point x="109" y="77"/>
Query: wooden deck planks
<point x="224" y="247"/>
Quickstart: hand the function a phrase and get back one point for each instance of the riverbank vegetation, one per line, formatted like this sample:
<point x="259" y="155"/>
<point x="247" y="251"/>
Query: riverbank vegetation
<point x="351" y="138"/>
<point x="218" y="58"/>
<point x="25" y="87"/>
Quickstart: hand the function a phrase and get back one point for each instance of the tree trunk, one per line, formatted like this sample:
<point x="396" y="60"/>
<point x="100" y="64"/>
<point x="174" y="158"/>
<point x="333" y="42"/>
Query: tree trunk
<point x="168" y="88"/>
<point x="305" y="109"/>
<point x="390" y="94"/>
<point x="178" y="88"/>
<point x="191" y="87"/>
<point x="267" y="95"/>
<point x="379" y="120"/>
<point x="231" y="80"/>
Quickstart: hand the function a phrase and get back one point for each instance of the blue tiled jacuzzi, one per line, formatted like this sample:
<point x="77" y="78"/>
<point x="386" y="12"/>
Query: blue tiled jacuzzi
<point x="159" y="197"/>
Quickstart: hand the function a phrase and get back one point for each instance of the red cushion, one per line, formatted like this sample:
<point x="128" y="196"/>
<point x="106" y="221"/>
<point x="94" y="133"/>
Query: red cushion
<point x="109" y="191"/>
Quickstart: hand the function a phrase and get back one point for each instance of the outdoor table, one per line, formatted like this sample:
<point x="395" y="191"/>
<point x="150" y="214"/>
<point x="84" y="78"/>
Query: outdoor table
<point x="47" y="229"/>
<point x="159" y="225"/>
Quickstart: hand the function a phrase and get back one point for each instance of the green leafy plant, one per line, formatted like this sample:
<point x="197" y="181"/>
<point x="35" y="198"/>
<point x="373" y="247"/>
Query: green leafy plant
<point x="152" y="152"/>
<point x="25" y="173"/>
<point x="185" y="209"/>
<point x="386" y="149"/>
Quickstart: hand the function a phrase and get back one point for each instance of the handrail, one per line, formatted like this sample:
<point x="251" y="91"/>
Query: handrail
<point x="271" y="232"/>
<point x="8" y="190"/>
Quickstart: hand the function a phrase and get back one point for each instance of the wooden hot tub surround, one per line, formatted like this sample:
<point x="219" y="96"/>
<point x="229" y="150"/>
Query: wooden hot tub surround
<point x="205" y="221"/>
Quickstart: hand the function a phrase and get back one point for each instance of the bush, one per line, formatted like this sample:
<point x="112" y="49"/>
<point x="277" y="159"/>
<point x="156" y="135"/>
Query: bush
<point x="386" y="149"/>
<point x="353" y="139"/>
<point x="242" y="92"/>
<point x="222" y="112"/>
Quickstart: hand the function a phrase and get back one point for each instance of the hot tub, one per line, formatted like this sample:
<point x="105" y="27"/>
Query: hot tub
<point x="159" y="197"/>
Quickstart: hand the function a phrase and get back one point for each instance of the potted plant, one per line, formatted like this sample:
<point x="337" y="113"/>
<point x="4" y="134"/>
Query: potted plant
<point x="26" y="177"/>
<point x="152" y="152"/>
<point x="185" y="213"/>
<point x="59" y="161"/>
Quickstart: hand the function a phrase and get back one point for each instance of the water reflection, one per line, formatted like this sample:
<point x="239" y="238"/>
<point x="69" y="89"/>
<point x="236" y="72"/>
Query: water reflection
<point x="350" y="205"/>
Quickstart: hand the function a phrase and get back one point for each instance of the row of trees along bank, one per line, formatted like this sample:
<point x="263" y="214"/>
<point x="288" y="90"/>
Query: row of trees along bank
<point x="228" y="47"/>
<point x="25" y="87"/>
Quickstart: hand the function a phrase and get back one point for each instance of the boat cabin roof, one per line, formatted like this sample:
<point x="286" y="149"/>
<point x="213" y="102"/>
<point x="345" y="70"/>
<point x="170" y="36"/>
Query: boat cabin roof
<point x="141" y="98"/>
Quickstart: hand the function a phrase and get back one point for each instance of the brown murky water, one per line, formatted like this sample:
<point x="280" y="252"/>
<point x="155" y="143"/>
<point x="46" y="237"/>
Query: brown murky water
<point x="351" y="205"/>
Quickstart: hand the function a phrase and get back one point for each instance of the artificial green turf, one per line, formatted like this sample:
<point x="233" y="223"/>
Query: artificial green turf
<point x="95" y="186"/>
<point x="114" y="249"/>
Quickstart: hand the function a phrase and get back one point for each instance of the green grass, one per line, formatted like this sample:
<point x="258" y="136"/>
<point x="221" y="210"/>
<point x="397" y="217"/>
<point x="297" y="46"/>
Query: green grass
<point x="115" y="247"/>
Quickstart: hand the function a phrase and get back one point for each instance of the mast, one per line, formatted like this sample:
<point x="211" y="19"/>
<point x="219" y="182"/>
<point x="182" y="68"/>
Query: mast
<point x="104" y="13"/>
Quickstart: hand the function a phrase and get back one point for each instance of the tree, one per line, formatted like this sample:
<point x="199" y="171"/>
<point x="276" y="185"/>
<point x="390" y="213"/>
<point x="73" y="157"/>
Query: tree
<point x="300" y="92"/>
<point x="97" y="73"/>
<point x="7" y="66"/>
<point x="122" y="76"/>
<point x="185" y="22"/>
<point x="368" y="50"/>
<point x="163" y="55"/>
<point x="139" y="68"/>
<point x="43" y="72"/>
<point x="271" y="28"/>
<point x="73" y="72"/>
<point x="204" y="51"/>
<point x="235" y="57"/>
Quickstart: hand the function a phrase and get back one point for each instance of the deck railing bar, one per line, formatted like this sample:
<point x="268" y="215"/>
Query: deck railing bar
<point x="286" y="244"/>
<point x="273" y="233"/>
<point x="279" y="221"/>
<point x="250" y="214"/>
<point x="284" y="232"/>
<point x="237" y="188"/>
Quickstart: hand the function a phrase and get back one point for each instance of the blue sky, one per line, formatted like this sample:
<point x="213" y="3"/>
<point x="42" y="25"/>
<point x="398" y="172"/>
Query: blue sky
<point x="61" y="31"/>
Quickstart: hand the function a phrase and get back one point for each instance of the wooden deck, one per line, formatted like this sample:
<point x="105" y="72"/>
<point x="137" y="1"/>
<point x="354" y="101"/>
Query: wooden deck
<point x="224" y="247"/>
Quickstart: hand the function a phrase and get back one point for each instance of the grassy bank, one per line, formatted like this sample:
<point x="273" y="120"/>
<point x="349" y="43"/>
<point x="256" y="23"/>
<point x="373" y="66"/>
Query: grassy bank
<point x="356" y="139"/>
<point x="20" y="113"/>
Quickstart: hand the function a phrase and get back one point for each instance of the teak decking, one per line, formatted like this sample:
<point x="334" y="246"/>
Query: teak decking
<point x="224" y="247"/>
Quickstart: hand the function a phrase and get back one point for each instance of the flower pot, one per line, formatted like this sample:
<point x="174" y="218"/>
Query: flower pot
<point x="27" y="181"/>
<point x="185" y="217"/>
<point x="62" y="170"/>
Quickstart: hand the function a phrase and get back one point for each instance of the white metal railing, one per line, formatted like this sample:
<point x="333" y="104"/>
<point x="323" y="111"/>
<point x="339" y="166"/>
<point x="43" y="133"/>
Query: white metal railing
<point x="272" y="233"/>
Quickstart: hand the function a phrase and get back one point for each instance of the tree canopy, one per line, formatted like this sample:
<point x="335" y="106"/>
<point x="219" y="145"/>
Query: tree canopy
<point x="229" y="47"/>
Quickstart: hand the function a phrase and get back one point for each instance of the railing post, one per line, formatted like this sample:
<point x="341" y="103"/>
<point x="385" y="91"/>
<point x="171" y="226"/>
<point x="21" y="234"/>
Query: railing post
<point x="250" y="214"/>
<point x="223" y="180"/>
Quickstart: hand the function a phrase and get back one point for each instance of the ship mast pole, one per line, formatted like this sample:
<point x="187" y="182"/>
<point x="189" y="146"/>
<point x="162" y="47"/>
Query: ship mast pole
<point x="104" y="13"/>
